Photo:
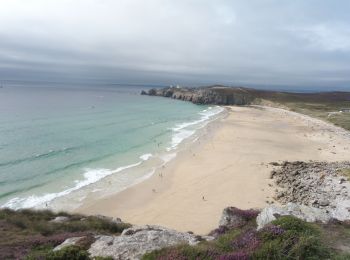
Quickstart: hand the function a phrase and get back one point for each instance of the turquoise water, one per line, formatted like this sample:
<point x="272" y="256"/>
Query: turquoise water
<point x="58" y="140"/>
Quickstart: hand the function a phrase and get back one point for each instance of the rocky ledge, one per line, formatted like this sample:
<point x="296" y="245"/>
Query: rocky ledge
<point x="321" y="186"/>
<point x="134" y="242"/>
<point x="216" y="95"/>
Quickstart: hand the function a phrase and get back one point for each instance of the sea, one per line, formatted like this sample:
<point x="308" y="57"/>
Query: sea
<point x="62" y="143"/>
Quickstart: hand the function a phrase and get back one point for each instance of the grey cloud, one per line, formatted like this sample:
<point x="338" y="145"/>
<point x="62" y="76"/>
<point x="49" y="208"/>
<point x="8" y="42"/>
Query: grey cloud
<point x="258" y="42"/>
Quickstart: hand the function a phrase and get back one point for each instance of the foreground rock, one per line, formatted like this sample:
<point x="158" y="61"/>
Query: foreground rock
<point x="306" y="213"/>
<point x="72" y="241"/>
<point x="136" y="241"/>
<point x="217" y="95"/>
<point x="60" y="219"/>
<point x="317" y="185"/>
<point x="233" y="217"/>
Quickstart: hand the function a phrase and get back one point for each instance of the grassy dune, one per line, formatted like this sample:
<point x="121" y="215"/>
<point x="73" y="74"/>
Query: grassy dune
<point x="325" y="106"/>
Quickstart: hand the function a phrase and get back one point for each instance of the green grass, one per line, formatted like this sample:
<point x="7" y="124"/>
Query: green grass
<point x="26" y="230"/>
<point x="300" y="240"/>
<point x="67" y="253"/>
<point x="318" y="108"/>
<point x="31" y="221"/>
<point x="345" y="173"/>
<point x="223" y="243"/>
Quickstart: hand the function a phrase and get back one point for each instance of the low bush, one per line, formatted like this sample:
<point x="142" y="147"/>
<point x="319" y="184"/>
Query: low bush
<point x="66" y="253"/>
<point x="291" y="238"/>
<point x="23" y="231"/>
<point x="285" y="238"/>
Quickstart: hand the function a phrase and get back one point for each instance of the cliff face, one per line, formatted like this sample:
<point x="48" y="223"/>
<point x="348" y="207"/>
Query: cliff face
<point x="222" y="95"/>
<point x="217" y="95"/>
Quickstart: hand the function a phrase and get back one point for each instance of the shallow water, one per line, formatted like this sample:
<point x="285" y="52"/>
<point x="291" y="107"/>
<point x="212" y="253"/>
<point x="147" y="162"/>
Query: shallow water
<point x="55" y="141"/>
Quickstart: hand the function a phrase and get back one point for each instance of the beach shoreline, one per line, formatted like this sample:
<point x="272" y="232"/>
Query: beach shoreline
<point x="227" y="166"/>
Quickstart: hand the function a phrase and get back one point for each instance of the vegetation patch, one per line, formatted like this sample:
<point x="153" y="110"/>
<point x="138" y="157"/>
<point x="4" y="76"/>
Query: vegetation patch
<point x="326" y="106"/>
<point x="285" y="238"/>
<point x="30" y="231"/>
<point x="345" y="173"/>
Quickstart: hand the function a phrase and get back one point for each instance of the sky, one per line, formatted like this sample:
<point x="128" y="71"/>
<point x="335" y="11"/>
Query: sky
<point x="193" y="42"/>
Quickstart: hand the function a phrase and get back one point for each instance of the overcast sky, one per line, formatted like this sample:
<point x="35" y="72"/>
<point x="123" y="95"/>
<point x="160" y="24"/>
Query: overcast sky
<point x="237" y="42"/>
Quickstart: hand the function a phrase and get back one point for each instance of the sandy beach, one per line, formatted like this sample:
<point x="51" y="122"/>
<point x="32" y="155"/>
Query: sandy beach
<point x="227" y="166"/>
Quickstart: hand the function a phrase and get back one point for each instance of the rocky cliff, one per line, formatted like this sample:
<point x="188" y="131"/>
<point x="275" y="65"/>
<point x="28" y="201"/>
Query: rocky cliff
<point x="216" y="95"/>
<point x="223" y="95"/>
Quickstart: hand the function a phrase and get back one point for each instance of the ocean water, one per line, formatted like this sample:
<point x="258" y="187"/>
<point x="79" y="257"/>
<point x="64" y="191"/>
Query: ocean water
<point x="60" y="143"/>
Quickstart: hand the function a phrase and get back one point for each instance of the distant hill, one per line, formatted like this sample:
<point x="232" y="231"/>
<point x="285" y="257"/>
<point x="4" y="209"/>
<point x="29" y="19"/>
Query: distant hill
<point x="330" y="106"/>
<point x="223" y="95"/>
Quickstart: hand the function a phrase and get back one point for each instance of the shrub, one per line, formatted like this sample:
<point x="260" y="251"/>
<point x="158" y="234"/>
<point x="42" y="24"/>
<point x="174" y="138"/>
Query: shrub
<point x="291" y="238"/>
<point x="69" y="252"/>
<point x="345" y="256"/>
<point x="183" y="252"/>
<point x="219" y="231"/>
<point x="23" y="231"/>
<point x="40" y="252"/>
<point x="248" y="241"/>
<point x="270" y="232"/>
<point x="248" y="214"/>
<point x="296" y="226"/>
<point x="234" y="256"/>
<point x="224" y="242"/>
<point x="309" y="247"/>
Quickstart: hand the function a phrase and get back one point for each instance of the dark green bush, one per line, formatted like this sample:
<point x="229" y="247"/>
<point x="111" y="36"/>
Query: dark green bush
<point x="296" y="226"/>
<point x="297" y="239"/>
<point x="68" y="253"/>
<point x="224" y="242"/>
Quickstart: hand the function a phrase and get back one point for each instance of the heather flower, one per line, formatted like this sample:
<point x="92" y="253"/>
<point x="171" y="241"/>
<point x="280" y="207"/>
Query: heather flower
<point x="274" y="230"/>
<point x="247" y="214"/>
<point x="249" y="240"/>
<point x="219" y="231"/>
<point x="235" y="256"/>
<point x="172" y="254"/>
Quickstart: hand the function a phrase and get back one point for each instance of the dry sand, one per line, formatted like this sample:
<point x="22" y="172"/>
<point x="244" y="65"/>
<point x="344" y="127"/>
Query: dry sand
<point x="227" y="166"/>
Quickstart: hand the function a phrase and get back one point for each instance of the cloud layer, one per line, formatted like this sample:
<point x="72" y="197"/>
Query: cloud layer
<point x="258" y="42"/>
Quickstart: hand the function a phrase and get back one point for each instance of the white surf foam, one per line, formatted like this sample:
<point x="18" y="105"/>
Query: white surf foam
<point x="146" y="156"/>
<point x="168" y="157"/>
<point x="90" y="176"/>
<point x="181" y="131"/>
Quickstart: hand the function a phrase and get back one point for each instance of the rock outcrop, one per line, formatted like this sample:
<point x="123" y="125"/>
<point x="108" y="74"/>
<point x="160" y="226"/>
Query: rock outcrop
<point x="318" y="188"/>
<point x="233" y="217"/>
<point x="306" y="213"/>
<point x="216" y="95"/>
<point x="60" y="219"/>
<point x="72" y="241"/>
<point x="134" y="242"/>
